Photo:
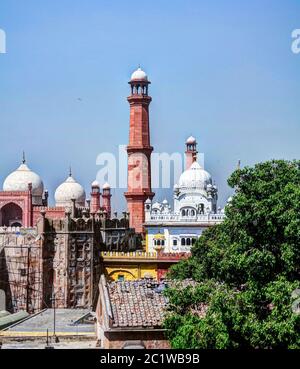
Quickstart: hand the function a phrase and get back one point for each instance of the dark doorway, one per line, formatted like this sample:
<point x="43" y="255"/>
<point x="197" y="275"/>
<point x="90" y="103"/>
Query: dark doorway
<point x="11" y="215"/>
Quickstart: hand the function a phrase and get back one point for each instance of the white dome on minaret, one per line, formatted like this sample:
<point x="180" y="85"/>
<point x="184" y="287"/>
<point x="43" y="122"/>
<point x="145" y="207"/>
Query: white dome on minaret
<point x="68" y="190"/>
<point x="106" y="186"/>
<point x="20" y="179"/>
<point x="139" y="75"/>
<point x="95" y="184"/>
<point x="191" y="140"/>
<point x="195" y="178"/>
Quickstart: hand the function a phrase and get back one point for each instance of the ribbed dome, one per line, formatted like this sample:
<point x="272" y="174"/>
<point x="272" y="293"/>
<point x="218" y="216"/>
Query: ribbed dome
<point x="69" y="190"/>
<point x="195" y="177"/>
<point x="139" y="75"/>
<point x="19" y="180"/>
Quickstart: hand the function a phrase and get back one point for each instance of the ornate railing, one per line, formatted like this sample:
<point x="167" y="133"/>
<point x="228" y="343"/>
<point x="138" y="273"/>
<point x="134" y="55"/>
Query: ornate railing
<point x="144" y="255"/>
<point x="209" y="218"/>
<point x="17" y="230"/>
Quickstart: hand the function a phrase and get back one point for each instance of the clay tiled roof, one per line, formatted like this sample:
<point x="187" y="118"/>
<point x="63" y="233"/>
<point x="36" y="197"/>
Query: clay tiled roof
<point x="137" y="303"/>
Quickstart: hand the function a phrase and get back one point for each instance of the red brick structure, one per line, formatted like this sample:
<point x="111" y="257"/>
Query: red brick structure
<point x="191" y="152"/>
<point x="139" y="150"/>
<point x="106" y="197"/>
<point x="60" y="256"/>
<point x="95" y="197"/>
<point x="16" y="208"/>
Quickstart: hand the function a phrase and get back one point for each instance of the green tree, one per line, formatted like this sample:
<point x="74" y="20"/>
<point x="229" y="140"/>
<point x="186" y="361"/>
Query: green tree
<point x="245" y="269"/>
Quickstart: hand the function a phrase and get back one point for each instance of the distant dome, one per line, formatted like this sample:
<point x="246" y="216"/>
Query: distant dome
<point x="69" y="190"/>
<point x="95" y="184"/>
<point x="106" y="186"/>
<point x="156" y="205"/>
<point x="19" y="180"/>
<point x="195" y="178"/>
<point x="191" y="140"/>
<point x="139" y="75"/>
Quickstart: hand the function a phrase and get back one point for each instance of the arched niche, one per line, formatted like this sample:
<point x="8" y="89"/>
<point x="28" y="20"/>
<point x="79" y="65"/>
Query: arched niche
<point x="11" y="215"/>
<point x="127" y="274"/>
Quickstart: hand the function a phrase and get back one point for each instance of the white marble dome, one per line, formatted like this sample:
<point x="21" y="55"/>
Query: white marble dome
<point x="195" y="178"/>
<point x="139" y="75"/>
<point x="69" y="190"/>
<point x="19" y="180"/>
<point x="229" y="200"/>
<point x="95" y="184"/>
<point x="191" y="140"/>
<point x="106" y="186"/>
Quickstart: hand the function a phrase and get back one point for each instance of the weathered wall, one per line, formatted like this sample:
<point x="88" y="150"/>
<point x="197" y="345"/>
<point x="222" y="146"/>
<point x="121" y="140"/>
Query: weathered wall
<point x="21" y="269"/>
<point x="150" y="339"/>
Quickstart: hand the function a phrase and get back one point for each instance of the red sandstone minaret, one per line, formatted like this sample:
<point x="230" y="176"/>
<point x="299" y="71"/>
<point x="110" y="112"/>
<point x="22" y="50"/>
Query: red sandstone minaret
<point x="106" y="199"/>
<point x="95" y="198"/>
<point x="191" y="152"/>
<point x="139" y="150"/>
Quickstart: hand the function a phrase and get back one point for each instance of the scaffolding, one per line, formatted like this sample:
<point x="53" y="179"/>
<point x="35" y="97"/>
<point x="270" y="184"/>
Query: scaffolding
<point x="21" y="277"/>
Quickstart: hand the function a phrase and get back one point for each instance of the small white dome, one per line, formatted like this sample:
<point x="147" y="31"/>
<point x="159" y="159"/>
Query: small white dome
<point x="191" y="140"/>
<point x="156" y="205"/>
<point x="95" y="184"/>
<point x="230" y="198"/>
<point x="69" y="190"/>
<point x="106" y="186"/>
<point x="19" y="180"/>
<point x="139" y="75"/>
<point x="165" y="202"/>
<point x="195" y="177"/>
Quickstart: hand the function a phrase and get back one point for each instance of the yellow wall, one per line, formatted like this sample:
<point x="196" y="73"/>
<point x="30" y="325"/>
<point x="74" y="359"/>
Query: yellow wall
<point x="130" y="271"/>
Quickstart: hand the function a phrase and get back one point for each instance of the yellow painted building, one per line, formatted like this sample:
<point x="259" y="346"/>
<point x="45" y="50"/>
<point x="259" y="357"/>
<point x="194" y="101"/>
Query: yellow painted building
<point x="136" y="265"/>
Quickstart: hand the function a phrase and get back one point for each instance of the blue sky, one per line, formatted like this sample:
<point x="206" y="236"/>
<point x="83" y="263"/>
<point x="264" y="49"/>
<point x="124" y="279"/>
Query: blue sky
<point x="220" y="70"/>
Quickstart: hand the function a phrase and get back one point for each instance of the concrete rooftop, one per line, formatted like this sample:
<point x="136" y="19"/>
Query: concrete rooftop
<point x="37" y="325"/>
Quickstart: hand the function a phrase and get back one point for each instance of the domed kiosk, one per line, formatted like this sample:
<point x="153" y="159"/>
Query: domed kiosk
<point x="139" y="75"/>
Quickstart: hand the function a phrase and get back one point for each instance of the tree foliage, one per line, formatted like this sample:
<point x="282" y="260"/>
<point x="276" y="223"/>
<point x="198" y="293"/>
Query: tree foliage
<point x="246" y="268"/>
